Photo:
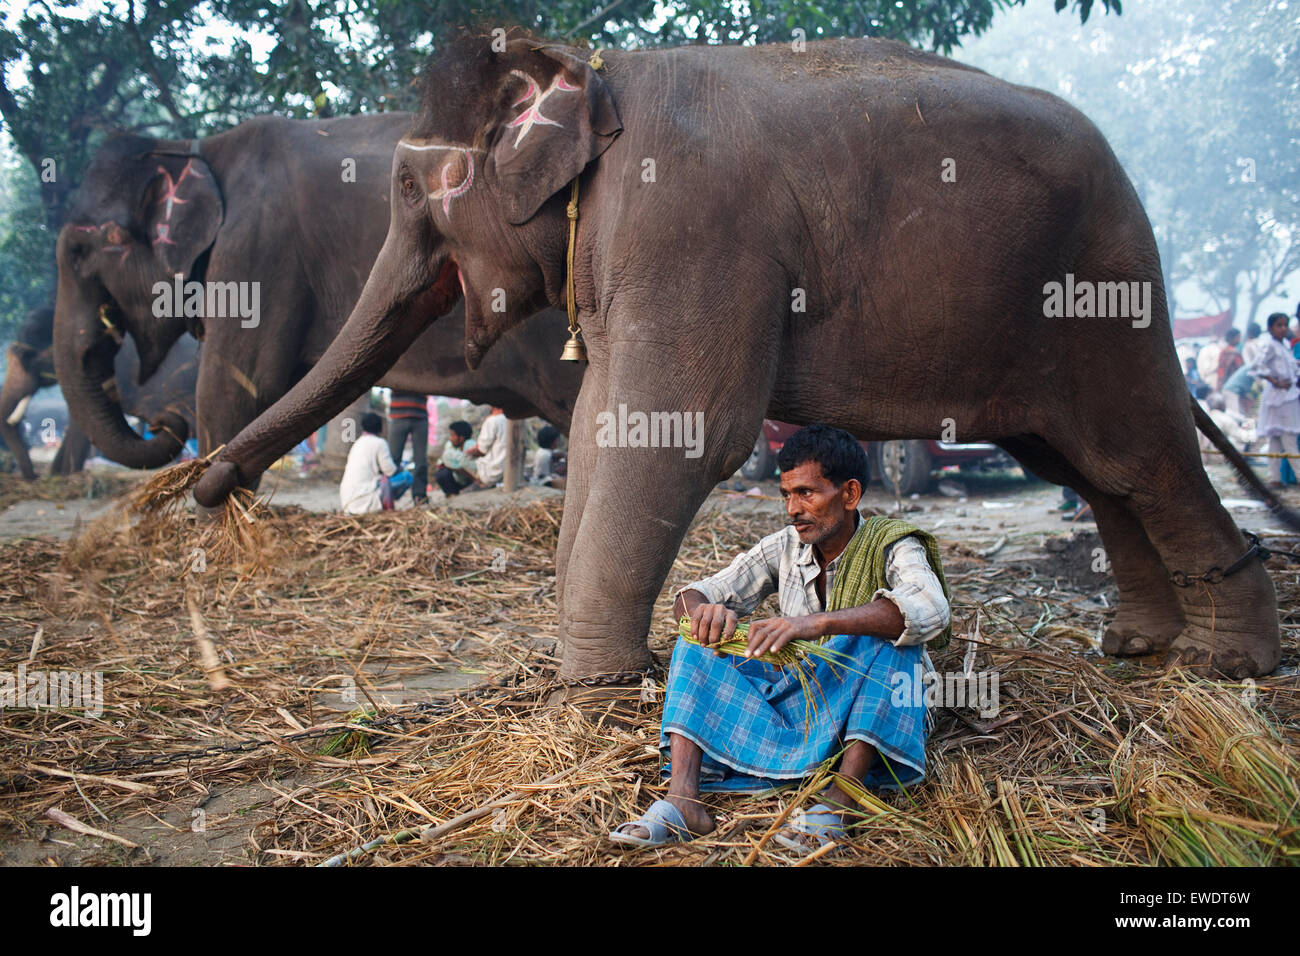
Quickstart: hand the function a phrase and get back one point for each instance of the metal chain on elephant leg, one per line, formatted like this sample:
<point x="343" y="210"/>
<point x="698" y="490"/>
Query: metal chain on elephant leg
<point x="1216" y="574"/>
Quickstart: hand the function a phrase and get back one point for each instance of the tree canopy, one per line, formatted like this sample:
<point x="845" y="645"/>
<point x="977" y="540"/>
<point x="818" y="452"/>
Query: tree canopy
<point x="1201" y="102"/>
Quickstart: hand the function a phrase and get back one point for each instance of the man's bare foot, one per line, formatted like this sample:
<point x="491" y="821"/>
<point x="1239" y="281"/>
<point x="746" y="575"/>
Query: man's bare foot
<point x="697" y="818"/>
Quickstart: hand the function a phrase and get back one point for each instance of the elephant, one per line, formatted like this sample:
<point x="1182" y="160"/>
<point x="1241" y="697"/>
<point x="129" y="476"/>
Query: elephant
<point x="29" y="367"/>
<point x="274" y="223"/>
<point x="166" y="396"/>
<point x="852" y="232"/>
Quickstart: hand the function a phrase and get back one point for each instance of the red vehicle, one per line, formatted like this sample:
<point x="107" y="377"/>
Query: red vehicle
<point x="904" y="467"/>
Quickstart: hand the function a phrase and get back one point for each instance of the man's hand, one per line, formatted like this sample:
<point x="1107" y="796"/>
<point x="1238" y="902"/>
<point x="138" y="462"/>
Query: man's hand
<point x="712" y="623"/>
<point x="774" y="633"/>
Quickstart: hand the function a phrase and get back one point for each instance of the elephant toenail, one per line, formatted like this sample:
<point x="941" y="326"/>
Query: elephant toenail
<point x="1138" y="645"/>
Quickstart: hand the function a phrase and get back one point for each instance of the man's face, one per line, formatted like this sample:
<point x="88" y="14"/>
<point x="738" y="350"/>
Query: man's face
<point x="457" y="440"/>
<point x="817" y="509"/>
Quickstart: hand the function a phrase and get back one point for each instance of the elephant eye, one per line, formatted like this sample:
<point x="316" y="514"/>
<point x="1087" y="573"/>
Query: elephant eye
<point x="79" y="253"/>
<point x="409" y="191"/>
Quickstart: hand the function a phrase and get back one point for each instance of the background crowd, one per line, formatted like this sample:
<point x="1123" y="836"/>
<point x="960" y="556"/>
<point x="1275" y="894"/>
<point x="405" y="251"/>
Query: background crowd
<point x="1249" y="387"/>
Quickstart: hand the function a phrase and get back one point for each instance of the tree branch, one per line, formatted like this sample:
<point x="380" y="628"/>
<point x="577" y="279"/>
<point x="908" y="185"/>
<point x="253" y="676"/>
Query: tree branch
<point x="155" y="74"/>
<point x="13" y="117"/>
<point x="599" y="17"/>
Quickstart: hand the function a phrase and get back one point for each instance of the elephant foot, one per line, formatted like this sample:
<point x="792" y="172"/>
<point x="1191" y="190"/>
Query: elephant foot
<point x="1136" y="634"/>
<point x="1232" y="655"/>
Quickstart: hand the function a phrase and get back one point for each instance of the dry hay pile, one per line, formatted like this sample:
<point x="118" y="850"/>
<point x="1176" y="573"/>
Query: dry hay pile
<point x="1089" y="761"/>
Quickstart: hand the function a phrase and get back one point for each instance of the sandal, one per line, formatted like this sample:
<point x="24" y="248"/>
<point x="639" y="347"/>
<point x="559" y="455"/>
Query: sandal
<point x="823" y="823"/>
<point x="664" y="822"/>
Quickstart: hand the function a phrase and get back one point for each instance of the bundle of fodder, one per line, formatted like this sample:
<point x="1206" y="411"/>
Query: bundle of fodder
<point x="150" y="514"/>
<point x="1216" y="784"/>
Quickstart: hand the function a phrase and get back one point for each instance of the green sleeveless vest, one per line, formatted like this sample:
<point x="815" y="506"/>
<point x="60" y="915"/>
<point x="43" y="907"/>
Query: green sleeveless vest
<point x="861" y="571"/>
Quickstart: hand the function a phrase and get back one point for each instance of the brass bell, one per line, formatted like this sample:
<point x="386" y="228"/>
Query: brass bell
<point x="574" y="350"/>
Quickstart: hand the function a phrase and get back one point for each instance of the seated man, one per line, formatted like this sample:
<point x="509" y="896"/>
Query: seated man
<point x="452" y="474"/>
<point x="492" y="448"/>
<point x="368" y="459"/>
<point x="873" y="586"/>
<point x="543" y="467"/>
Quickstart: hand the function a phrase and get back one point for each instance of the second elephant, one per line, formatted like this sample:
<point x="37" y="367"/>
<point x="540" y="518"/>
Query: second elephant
<point x="278" y="221"/>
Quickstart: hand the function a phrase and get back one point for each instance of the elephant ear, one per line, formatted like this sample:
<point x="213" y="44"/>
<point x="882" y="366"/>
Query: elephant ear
<point x="182" y="210"/>
<point x="559" y="116"/>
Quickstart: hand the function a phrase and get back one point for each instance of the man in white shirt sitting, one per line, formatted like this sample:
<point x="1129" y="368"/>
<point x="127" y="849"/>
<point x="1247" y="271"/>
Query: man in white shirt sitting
<point x="491" y="449"/>
<point x="368" y="459"/>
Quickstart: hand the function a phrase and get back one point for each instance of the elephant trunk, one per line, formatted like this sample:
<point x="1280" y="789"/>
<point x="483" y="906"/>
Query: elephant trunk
<point x="14" y="442"/>
<point x="19" y="386"/>
<point x="84" y="349"/>
<point x="382" y="326"/>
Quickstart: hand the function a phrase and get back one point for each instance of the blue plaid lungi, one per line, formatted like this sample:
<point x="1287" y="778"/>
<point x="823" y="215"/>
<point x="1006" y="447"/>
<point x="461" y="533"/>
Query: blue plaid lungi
<point x="753" y="723"/>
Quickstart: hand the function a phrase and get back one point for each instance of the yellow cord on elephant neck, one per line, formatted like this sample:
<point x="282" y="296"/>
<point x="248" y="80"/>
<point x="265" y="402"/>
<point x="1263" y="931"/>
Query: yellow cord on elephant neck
<point x="574" y="350"/>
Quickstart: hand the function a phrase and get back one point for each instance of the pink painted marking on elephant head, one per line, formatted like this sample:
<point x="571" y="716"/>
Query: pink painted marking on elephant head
<point x="449" y="192"/>
<point x="162" y="238"/>
<point x="170" y="197"/>
<point x="532" y="116"/>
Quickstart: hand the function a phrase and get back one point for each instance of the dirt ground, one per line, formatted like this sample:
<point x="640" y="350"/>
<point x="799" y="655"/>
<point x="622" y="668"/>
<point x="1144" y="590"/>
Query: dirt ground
<point x="985" y="510"/>
<point x="996" y="519"/>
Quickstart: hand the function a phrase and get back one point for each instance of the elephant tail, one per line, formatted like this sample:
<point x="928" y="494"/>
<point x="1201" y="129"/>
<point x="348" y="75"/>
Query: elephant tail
<point x="1245" y="474"/>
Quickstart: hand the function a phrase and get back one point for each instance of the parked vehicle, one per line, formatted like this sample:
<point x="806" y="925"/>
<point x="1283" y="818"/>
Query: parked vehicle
<point x="904" y="467"/>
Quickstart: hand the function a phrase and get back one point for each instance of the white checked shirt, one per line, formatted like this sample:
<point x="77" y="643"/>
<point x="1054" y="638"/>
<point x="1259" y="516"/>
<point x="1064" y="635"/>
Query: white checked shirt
<point x="781" y="562"/>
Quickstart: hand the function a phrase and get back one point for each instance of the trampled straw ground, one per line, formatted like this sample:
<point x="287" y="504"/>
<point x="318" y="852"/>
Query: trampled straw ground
<point x="1089" y="761"/>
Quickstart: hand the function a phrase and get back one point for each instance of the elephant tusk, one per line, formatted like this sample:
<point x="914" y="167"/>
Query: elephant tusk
<point x="19" y="411"/>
